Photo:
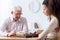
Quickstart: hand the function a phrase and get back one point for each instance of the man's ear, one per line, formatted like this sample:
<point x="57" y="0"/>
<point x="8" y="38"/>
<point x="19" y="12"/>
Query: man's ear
<point x="11" y="12"/>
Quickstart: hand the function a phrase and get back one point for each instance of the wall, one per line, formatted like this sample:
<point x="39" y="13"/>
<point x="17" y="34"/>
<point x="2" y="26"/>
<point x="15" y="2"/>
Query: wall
<point x="31" y="16"/>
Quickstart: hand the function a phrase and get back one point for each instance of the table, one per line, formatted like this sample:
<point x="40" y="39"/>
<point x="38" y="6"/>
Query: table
<point x="18" y="38"/>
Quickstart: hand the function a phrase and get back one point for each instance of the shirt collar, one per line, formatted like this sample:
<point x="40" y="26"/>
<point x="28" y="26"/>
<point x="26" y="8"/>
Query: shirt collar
<point x="13" y="20"/>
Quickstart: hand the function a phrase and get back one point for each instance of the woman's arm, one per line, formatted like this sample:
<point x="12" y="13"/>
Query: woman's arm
<point x="52" y="25"/>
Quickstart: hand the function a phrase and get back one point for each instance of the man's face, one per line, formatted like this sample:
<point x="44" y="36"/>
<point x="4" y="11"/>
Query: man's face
<point x="16" y="14"/>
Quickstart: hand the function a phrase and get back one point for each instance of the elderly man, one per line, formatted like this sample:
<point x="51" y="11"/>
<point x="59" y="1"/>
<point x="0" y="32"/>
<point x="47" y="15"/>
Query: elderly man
<point x="15" y="25"/>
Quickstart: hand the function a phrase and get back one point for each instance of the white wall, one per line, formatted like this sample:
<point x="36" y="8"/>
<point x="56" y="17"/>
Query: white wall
<point x="5" y="7"/>
<point x="32" y="17"/>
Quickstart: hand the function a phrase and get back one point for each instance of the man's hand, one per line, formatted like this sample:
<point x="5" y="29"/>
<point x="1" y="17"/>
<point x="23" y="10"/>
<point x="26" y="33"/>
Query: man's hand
<point x="12" y="33"/>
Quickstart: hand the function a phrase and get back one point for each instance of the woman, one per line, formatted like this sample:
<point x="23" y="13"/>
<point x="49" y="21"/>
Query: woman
<point x="51" y="8"/>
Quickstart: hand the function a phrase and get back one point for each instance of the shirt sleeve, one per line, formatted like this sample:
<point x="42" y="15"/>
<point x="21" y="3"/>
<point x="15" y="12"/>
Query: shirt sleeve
<point x="52" y="25"/>
<point x="3" y="30"/>
<point x="25" y="26"/>
<point x="3" y="33"/>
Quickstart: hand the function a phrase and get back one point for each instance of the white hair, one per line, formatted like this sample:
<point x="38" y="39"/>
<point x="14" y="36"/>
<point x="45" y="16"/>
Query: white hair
<point x="16" y="8"/>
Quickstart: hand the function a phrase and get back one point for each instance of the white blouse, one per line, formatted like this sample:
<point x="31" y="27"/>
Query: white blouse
<point x="50" y="30"/>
